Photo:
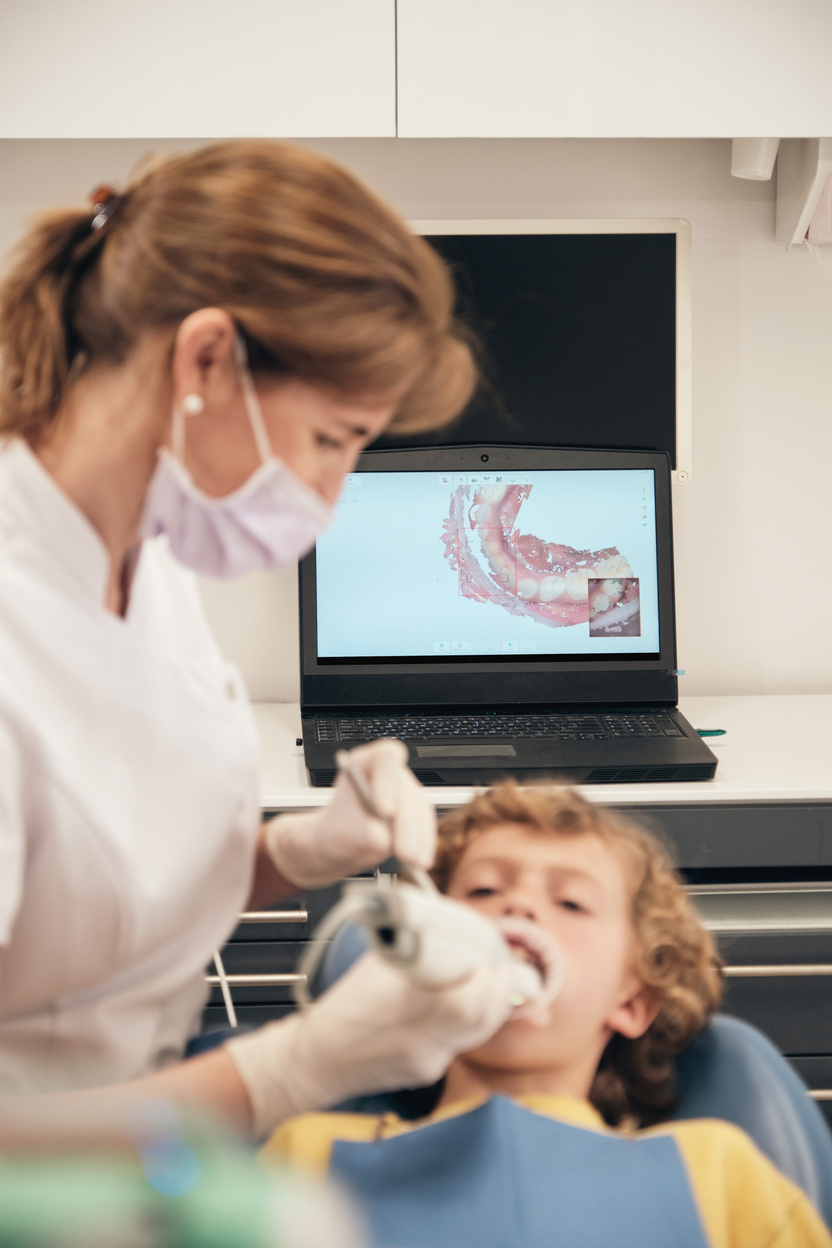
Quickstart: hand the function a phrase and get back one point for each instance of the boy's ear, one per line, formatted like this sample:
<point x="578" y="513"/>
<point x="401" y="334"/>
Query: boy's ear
<point x="635" y="1012"/>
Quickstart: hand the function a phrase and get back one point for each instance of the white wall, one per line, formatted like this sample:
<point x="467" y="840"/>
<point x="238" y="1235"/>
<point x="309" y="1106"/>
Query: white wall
<point x="754" y="524"/>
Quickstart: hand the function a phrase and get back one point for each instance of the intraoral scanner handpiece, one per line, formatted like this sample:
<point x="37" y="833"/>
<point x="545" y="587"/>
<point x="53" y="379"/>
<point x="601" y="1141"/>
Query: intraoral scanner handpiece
<point x="439" y="942"/>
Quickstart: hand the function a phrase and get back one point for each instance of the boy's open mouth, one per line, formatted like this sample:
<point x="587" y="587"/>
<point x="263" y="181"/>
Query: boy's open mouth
<point x="531" y="943"/>
<point x="524" y="954"/>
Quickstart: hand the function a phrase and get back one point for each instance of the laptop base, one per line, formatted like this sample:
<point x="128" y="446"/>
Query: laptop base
<point x="531" y="760"/>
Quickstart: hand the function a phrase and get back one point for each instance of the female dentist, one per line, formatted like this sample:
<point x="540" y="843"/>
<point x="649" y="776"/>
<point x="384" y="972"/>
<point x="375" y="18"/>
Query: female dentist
<point x="189" y="370"/>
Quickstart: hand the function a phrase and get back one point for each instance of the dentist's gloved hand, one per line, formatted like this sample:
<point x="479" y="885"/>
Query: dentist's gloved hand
<point x="373" y="1031"/>
<point x="316" y="849"/>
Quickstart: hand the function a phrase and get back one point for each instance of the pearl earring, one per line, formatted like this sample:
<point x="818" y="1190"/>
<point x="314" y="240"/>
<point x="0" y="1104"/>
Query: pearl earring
<point x="193" y="404"/>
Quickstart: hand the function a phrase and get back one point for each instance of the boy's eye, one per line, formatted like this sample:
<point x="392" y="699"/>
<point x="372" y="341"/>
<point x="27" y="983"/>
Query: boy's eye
<point x="567" y="903"/>
<point x="482" y="891"/>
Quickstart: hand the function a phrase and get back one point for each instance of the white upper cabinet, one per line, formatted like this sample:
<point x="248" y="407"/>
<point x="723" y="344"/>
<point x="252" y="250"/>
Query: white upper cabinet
<point x="468" y="68"/>
<point x="197" y="68"/>
<point x="614" y="68"/>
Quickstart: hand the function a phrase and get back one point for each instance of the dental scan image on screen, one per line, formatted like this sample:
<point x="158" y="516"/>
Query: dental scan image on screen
<point x="551" y="563"/>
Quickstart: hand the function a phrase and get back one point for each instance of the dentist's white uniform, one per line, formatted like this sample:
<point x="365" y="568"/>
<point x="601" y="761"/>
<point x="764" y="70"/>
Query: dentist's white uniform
<point x="129" y="801"/>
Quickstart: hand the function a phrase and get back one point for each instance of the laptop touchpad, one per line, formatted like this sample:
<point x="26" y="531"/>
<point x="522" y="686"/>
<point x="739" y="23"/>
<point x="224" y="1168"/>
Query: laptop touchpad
<point x="466" y="751"/>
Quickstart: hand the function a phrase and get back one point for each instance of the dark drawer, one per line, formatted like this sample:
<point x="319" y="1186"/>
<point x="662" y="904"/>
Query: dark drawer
<point x="262" y="957"/>
<point x="795" y="1013"/>
<point x="743" y="836"/>
<point x="794" y="1010"/>
<point x="259" y="957"/>
<point x="776" y="948"/>
<point x="215" y="1017"/>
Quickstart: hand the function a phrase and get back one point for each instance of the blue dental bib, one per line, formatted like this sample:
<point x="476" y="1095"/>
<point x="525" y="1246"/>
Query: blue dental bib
<point x="502" y="1176"/>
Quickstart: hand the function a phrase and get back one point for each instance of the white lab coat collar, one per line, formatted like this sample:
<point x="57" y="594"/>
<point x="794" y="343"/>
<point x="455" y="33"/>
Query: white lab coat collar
<point x="33" y="505"/>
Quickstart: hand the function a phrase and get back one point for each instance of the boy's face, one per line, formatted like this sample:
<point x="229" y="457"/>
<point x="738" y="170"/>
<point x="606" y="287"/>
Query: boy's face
<point x="575" y="888"/>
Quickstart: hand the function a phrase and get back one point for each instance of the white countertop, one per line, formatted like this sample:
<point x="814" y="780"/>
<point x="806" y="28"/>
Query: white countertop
<point x="777" y="748"/>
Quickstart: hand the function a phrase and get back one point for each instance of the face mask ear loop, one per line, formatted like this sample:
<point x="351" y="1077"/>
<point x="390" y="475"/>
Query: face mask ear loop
<point x="177" y="433"/>
<point x="255" y="414"/>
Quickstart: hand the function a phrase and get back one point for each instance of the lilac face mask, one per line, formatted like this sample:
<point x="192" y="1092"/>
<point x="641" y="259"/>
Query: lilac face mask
<point x="270" y="521"/>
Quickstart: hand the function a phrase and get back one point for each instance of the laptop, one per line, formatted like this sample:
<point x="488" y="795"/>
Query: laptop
<point x="504" y="611"/>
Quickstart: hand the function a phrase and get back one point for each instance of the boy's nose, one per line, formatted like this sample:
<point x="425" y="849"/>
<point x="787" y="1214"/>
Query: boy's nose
<point x="521" y="905"/>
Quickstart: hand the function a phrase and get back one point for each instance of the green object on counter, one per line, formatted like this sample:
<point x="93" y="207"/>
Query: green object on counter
<point x="170" y="1193"/>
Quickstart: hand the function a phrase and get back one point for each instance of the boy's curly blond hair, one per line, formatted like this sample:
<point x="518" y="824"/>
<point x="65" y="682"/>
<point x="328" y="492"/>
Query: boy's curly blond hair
<point x="675" y="956"/>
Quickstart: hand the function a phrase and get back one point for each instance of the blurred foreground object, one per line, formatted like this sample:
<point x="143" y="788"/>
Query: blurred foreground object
<point x="149" y="1177"/>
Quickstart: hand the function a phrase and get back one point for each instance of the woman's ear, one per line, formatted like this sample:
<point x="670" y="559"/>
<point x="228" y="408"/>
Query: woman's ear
<point x="635" y="1012"/>
<point x="203" y="355"/>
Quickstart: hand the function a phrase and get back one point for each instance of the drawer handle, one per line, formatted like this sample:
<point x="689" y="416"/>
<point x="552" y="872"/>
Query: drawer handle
<point x="255" y="981"/>
<point x="753" y="972"/>
<point x="757" y="890"/>
<point x="734" y="927"/>
<point x="730" y="972"/>
<point x="273" y="916"/>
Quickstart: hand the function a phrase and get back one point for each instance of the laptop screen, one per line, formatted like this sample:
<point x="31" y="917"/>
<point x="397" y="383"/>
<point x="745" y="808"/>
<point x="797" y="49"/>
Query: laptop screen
<point x="458" y="560"/>
<point x="538" y="563"/>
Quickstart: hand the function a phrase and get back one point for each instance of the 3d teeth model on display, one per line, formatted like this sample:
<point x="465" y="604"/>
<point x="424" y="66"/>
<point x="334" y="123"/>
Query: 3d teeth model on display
<point x="526" y="575"/>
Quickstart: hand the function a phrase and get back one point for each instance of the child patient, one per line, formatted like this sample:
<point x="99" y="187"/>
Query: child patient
<point x="541" y="1136"/>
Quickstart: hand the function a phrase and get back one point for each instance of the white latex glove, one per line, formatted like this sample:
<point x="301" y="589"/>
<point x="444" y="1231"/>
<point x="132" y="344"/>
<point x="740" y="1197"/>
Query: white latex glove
<point x="316" y="849"/>
<point x="373" y="1031"/>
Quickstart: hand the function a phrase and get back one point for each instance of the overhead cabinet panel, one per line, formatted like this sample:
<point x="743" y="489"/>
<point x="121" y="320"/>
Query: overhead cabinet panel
<point x="197" y="68"/>
<point x="614" y="68"/>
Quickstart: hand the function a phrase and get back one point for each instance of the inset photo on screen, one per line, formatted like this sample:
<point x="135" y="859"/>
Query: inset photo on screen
<point x="614" y="607"/>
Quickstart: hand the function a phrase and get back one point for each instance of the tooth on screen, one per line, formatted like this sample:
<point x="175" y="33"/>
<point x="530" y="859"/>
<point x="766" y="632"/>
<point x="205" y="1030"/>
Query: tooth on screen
<point x="527" y="588"/>
<point x="552" y="587"/>
<point x="576" y="586"/>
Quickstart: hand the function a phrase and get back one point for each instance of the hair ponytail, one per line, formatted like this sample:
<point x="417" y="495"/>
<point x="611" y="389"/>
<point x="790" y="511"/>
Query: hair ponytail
<point x="323" y="279"/>
<point x="35" y="336"/>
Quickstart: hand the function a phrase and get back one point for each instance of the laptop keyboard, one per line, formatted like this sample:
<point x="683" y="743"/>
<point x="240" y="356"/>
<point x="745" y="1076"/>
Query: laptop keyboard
<point x="561" y="726"/>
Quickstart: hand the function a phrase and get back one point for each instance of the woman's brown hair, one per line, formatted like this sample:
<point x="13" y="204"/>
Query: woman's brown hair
<point x="675" y="957"/>
<point x="325" y="282"/>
